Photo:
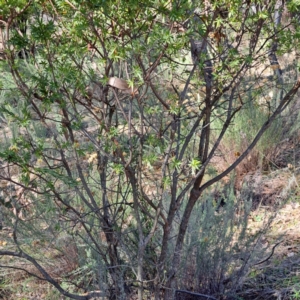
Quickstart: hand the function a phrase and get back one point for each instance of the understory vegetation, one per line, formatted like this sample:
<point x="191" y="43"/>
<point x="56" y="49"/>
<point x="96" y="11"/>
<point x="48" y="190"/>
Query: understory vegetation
<point x="149" y="149"/>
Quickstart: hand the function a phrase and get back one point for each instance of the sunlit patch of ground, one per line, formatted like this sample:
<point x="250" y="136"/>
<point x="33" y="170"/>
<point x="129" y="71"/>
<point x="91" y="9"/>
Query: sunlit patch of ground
<point x="279" y="276"/>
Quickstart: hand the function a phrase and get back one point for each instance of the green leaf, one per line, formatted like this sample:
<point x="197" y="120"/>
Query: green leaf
<point x="175" y="163"/>
<point x="195" y="165"/>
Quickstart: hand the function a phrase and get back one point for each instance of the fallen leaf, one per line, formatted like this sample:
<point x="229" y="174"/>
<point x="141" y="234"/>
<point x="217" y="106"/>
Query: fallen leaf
<point x="122" y="84"/>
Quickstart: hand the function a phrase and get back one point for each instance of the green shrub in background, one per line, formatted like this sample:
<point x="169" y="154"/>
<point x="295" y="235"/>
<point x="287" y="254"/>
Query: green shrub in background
<point x="220" y="249"/>
<point x="111" y="138"/>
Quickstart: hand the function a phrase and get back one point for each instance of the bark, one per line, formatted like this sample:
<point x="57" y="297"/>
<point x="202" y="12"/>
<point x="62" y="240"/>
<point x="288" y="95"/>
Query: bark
<point x="272" y="52"/>
<point x="196" y="192"/>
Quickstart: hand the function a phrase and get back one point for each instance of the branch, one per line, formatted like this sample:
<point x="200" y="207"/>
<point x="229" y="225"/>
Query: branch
<point x="285" y="101"/>
<point x="272" y="252"/>
<point x="179" y="292"/>
<point x="48" y="278"/>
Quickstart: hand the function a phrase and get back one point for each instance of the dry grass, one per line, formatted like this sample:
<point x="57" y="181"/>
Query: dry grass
<point x="58" y="260"/>
<point x="278" y="277"/>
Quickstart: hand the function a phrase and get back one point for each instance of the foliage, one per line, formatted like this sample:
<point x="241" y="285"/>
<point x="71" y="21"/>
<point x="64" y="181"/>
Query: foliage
<point x="108" y="111"/>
